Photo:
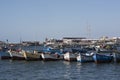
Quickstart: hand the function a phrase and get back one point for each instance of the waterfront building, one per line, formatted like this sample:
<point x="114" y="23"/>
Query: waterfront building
<point x="55" y="43"/>
<point x="79" y="41"/>
<point x="30" y="43"/>
<point x="72" y="40"/>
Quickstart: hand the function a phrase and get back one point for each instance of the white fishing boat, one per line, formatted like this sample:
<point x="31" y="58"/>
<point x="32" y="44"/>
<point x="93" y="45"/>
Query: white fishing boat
<point x="50" y="57"/>
<point x="69" y="56"/>
<point x="16" y="55"/>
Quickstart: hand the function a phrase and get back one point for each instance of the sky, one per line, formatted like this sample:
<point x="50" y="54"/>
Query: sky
<point x="35" y="20"/>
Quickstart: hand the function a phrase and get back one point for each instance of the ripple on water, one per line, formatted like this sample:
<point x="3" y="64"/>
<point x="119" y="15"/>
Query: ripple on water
<point x="57" y="70"/>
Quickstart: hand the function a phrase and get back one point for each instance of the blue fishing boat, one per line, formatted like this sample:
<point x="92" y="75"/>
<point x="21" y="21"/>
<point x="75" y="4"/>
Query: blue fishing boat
<point x="83" y="58"/>
<point x="102" y="58"/>
<point x="4" y="55"/>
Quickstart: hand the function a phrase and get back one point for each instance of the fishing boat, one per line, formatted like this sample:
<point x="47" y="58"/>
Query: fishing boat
<point x="16" y="55"/>
<point x="50" y="57"/>
<point x="32" y="55"/>
<point x="4" y="55"/>
<point x="83" y="58"/>
<point x="69" y="56"/>
<point x="102" y="58"/>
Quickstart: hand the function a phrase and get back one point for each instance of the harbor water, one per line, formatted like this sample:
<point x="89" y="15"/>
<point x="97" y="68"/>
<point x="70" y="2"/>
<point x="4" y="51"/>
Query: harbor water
<point x="57" y="70"/>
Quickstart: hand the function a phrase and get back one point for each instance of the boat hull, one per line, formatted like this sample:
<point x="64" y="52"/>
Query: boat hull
<point x="16" y="55"/>
<point x="100" y="58"/>
<point x="70" y="57"/>
<point x="4" y="55"/>
<point x="32" y="56"/>
<point x="50" y="57"/>
<point x="84" y="58"/>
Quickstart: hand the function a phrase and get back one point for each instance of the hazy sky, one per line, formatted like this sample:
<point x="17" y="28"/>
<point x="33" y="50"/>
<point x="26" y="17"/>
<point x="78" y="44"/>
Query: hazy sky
<point x="37" y="19"/>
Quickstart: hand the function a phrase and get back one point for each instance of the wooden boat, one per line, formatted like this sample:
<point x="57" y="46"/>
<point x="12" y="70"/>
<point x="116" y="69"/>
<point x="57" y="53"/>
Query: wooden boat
<point x="83" y="58"/>
<point x="16" y="55"/>
<point x="69" y="56"/>
<point x="32" y="55"/>
<point x="116" y="57"/>
<point x="50" y="57"/>
<point x="4" y="55"/>
<point x="102" y="58"/>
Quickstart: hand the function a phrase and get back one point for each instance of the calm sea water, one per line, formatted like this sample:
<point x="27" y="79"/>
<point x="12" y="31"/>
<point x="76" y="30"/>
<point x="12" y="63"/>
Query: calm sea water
<point x="57" y="70"/>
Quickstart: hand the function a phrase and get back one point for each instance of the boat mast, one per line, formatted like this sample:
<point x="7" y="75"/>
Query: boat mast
<point x="20" y="43"/>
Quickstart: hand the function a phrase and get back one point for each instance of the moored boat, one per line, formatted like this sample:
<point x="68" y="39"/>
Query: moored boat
<point x="69" y="56"/>
<point x="83" y="58"/>
<point x="102" y="58"/>
<point x="32" y="55"/>
<point x="4" y="55"/>
<point x="50" y="56"/>
<point x="16" y="55"/>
